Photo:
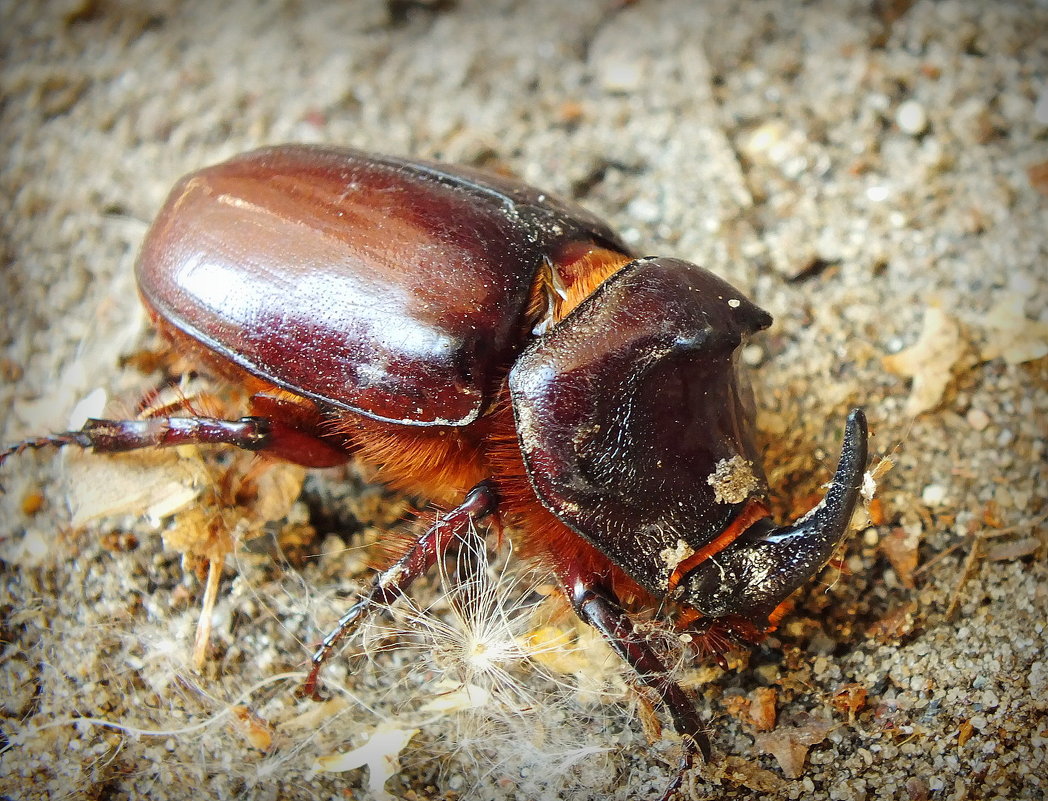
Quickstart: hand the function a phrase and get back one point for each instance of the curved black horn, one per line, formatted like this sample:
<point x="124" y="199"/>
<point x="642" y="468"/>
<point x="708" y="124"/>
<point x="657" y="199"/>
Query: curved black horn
<point x="764" y="565"/>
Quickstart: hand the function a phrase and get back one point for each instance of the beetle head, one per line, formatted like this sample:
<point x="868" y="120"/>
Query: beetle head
<point x="636" y="433"/>
<point x="628" y="407"/>
<point x="759" y="569"/>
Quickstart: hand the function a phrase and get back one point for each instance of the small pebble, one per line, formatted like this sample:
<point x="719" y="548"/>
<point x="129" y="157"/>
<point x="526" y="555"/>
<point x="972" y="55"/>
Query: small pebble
<point x="765" y="144"/>
<point x="753" y="355"/>
<point x="978" y="419"/>
<point x="933" y="495"/>
<point x="1003" y="497"/>
<point x="990" y="700"/>
<point x="644" y="210"/>
<point x="916" y="789"/>
<point x="911" y="118"/>
<point x="622" y="76"/>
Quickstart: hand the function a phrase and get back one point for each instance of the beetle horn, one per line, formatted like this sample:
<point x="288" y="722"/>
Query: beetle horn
<point x="760" y="569"/>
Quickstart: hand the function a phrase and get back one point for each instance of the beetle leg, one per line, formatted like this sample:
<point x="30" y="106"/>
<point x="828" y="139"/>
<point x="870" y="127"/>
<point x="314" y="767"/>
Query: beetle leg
<point x="36" y="443"/>
<point x="260" y="434"/>
<point x="391" y="583"/>
<point x="597" y="606"/>
<point x="115" y="436"/>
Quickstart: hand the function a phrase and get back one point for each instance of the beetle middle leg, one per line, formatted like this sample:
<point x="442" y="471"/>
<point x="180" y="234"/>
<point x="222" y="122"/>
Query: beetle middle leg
<point x="391" y="583"/>
<point x="598" y="607"/>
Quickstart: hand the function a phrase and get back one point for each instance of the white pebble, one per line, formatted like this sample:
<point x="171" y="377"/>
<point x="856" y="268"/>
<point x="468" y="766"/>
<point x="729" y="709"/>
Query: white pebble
<point x="978" y="419"/>
<point x="644" y="210"/>
<point x="753" y="355"/>
<point x="911" y="118"/>
<point x="933" y="494"/>
<point x="622" y="76"/>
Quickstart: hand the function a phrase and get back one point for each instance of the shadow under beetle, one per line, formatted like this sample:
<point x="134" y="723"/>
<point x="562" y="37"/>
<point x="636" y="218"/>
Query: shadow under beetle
<point x="503" y="353"/>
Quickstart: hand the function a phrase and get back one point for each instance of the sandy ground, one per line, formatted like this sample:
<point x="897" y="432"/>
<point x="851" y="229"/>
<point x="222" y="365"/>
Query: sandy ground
<point x="874" y="174"/>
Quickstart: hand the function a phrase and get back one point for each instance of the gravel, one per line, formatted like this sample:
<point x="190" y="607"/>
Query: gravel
<point x="872" y="174"/>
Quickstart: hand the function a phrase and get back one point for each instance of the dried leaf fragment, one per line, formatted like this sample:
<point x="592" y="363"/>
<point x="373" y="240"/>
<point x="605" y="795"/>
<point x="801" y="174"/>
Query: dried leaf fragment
<point x="900" y="546"/>
<point x="762" y="708"/>
<point x="750" y="775"/>
<point x="850" y="699"/>
<point x="554" y="648"/>
<point x="256" y="730"/>
<point x="380" y="755"/>
<point x="896" y="623"/>
<point x="789" y="744"/>
<point x="315" y="715"/>
<point x="460" y="699"/>
<point x="1017" y="549"/>
<point x="153" y="483"/>
<point x="1011" y="335"/>
<point x="581" y="653"/>
<point x="277" y="487"/>
<point x="929" y="361"/>
<point x="875" y="509"/>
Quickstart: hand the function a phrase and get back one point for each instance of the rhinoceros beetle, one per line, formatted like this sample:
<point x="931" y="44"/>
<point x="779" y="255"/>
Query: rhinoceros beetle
<point x="499" y="351"/>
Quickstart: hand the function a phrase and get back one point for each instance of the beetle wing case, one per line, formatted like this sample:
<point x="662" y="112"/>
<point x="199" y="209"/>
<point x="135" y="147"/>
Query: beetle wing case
<point x="629" y="409"/>
<point x="383" y="286"/>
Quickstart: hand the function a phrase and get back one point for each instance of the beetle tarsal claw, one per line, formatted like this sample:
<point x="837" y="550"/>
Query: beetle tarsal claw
<point x="758" y="571"/>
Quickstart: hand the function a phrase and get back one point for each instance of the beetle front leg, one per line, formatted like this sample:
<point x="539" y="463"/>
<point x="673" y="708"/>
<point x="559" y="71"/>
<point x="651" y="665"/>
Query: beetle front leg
<point x="597" y="606"/>
<point x="391" y="583"/>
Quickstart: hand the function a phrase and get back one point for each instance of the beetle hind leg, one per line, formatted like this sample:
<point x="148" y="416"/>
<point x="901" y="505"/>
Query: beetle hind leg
<point x="391" y="583"/>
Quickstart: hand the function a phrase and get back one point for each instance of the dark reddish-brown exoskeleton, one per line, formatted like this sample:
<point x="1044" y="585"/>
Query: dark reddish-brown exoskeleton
<point x="503" y="353"/>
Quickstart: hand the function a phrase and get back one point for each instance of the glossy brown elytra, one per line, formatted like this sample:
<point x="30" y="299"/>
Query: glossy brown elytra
<point x="503" y="353"/>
